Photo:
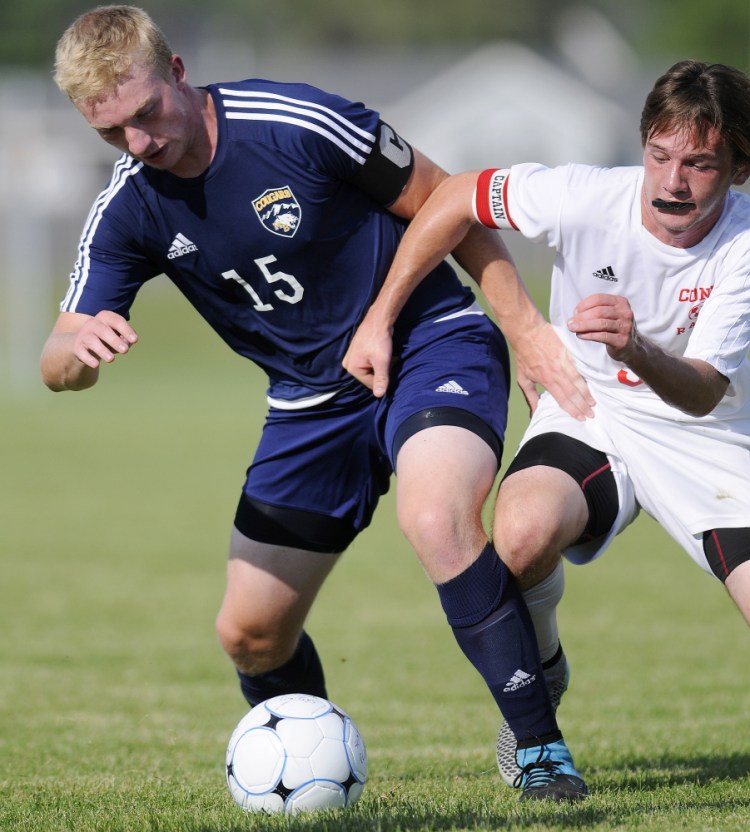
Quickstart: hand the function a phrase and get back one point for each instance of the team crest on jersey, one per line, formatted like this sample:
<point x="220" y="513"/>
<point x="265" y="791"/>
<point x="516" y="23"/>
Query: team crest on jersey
<point x="278" y="211"/>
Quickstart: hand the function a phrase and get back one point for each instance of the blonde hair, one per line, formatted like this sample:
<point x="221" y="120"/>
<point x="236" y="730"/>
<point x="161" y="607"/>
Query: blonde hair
<point x="99" y="50"/>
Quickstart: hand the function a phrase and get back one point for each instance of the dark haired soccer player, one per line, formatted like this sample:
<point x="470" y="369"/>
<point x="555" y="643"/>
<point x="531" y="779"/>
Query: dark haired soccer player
<point x="651" y="294"/>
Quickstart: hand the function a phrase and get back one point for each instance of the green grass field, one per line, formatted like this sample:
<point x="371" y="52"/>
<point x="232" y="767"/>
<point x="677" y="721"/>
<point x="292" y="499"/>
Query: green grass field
<point x="116" y="701"/>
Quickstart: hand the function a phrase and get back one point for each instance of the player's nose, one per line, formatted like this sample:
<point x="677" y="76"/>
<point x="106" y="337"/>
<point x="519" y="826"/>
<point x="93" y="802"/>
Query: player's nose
<point x="137" y="140"/>
<point x="676" y="181"/>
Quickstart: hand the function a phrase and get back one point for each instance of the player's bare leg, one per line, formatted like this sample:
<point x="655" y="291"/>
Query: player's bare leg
<point x="738" y="587"/>
<point x="269" y="592"/>
<point x="539" y="512"/>
<point x="443" y="477"/>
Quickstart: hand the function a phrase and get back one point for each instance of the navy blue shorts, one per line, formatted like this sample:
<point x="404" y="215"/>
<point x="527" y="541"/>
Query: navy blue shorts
<point x="318" y="473"/>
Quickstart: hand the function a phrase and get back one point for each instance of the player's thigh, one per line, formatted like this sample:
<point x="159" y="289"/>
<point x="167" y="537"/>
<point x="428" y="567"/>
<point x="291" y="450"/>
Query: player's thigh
<point x="446" y="465"/>
<point x="270" y="589"/>
<point x="445" y="474"/>
<point x="738" y="587"/>
<point x="559" y="495"/>
<point x="444" y="429"/>
<point x="539" y="512"/>
<point x="726" y="554"/>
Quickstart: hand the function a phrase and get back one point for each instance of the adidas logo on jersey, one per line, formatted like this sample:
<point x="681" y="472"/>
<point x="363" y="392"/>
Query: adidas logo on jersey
<point x="180" y="245"/>
<point x="520" y="679"/>
<point x="451" y="387"/>
<point x="606" y="274"/>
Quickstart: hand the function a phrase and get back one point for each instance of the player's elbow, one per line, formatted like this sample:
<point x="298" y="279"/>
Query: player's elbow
<point x="50" y="378"/>
<point x="696" y="412"/>
<point x="700" y="395"/>
<point x="58" y="380"/>
<point x="706" y="402"/>
<point x="700" y="410"/>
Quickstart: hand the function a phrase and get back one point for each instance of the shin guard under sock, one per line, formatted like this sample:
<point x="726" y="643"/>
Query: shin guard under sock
<point x="303" y="673"/>
<point x="541" y="601"/>
<point x="494" y="630"/>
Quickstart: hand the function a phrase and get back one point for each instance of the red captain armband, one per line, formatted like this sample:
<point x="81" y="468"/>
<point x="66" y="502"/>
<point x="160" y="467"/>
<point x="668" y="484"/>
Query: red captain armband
<point x="491" y="199"/>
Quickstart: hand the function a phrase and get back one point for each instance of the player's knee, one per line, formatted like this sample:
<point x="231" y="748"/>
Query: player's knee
<point x="444" y="540"/>
<point x="424" y="525"/>
<point x="252" y="647"/>
<point x="523" y="546"/>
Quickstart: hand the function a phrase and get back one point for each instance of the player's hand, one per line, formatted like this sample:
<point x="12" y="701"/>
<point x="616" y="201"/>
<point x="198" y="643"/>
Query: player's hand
<point x="103" y="337"/>
<point x="609" y="320"/>
<point x="543" y="359"/>
<point x="368" y="358"/>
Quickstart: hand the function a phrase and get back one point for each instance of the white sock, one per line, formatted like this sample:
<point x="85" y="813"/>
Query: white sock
<point x="542" y="600"/>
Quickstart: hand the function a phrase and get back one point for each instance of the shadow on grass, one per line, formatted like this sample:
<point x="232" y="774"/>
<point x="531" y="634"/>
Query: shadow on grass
<point x="621" y="794"/>
<point x="583" y="815"/>
<point x="649" y="773"/>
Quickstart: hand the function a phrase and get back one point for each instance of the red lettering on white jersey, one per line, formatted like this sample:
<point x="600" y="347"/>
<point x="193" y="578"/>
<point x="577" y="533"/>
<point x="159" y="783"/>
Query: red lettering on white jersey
<point x="624" y="377"/>
<point x="694" y="295"/>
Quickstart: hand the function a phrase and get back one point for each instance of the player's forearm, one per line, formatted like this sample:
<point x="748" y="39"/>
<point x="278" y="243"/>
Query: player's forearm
<point x="482" y="253"/>
<point x="691" y="385"/>
<point x="62" y="369"/>
<point x="437" y="229"/>
<point x="446" y="224"/>
<point x="485" y="257"/>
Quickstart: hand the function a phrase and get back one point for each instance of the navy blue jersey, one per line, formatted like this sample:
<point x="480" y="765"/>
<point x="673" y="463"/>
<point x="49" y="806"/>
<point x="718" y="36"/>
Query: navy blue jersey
<point x="281" y="245"/>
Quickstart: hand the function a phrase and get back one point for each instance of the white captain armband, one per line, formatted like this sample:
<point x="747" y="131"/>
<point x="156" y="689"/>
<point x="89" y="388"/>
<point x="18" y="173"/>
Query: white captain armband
<point x="388" y="167"/>
<point x="491" y="199"/>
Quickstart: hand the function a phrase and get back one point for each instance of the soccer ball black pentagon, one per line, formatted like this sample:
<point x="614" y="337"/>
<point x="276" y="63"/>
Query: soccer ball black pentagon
<point x="296" y="753"/>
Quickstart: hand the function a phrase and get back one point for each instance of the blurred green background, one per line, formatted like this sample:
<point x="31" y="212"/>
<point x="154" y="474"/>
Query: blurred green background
<point x="657" y="29"/>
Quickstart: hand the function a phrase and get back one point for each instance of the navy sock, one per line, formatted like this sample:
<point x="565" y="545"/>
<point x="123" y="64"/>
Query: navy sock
<point x="303" y="673"/>
<point x="493" y="628"/>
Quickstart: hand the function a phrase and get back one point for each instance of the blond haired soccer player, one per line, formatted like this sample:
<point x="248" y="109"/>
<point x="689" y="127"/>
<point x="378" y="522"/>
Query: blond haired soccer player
<point x="650" y="292"/>
<point x="276" y="208"/>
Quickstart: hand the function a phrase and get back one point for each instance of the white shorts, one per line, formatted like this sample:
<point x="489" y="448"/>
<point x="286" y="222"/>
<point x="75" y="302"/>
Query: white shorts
<point x="691" y="477"/>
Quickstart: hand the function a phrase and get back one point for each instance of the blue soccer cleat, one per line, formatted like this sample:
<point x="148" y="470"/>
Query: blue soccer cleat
<point x="546" y="772"/>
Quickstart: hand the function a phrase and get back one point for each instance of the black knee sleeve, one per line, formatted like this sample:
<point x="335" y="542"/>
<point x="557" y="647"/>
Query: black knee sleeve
<point x="726" y="549"/>
<point x="589" y="467"/>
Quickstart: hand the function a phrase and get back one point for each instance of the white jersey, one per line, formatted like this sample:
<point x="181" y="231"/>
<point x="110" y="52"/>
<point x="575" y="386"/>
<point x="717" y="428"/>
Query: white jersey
<point x="691" y="473"/>
<point x="693" y="302"/>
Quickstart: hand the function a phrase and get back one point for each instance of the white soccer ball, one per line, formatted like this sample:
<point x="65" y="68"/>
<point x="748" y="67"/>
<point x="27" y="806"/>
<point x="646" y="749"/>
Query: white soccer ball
<point x="295" y="753"/>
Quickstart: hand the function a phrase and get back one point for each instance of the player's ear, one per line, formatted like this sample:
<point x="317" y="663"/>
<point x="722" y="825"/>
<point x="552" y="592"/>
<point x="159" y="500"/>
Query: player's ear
<point x="741" y="174"/>
<point x="179" y="73"/>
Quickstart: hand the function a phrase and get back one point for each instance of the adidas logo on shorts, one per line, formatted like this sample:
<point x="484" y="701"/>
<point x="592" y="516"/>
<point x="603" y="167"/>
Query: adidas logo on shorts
<point x="451" y="387"/>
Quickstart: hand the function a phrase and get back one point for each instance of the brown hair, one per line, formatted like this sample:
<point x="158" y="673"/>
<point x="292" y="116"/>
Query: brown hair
<point x="700" y="96"/>
<point x="100" y="48"/>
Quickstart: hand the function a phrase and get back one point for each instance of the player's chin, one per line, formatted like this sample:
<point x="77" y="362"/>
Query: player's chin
<point x="678" y="223"/>
<point x="158" y="158"/>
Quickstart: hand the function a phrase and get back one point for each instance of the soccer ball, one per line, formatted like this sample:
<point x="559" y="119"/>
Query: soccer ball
<point x="296" y="753"/>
